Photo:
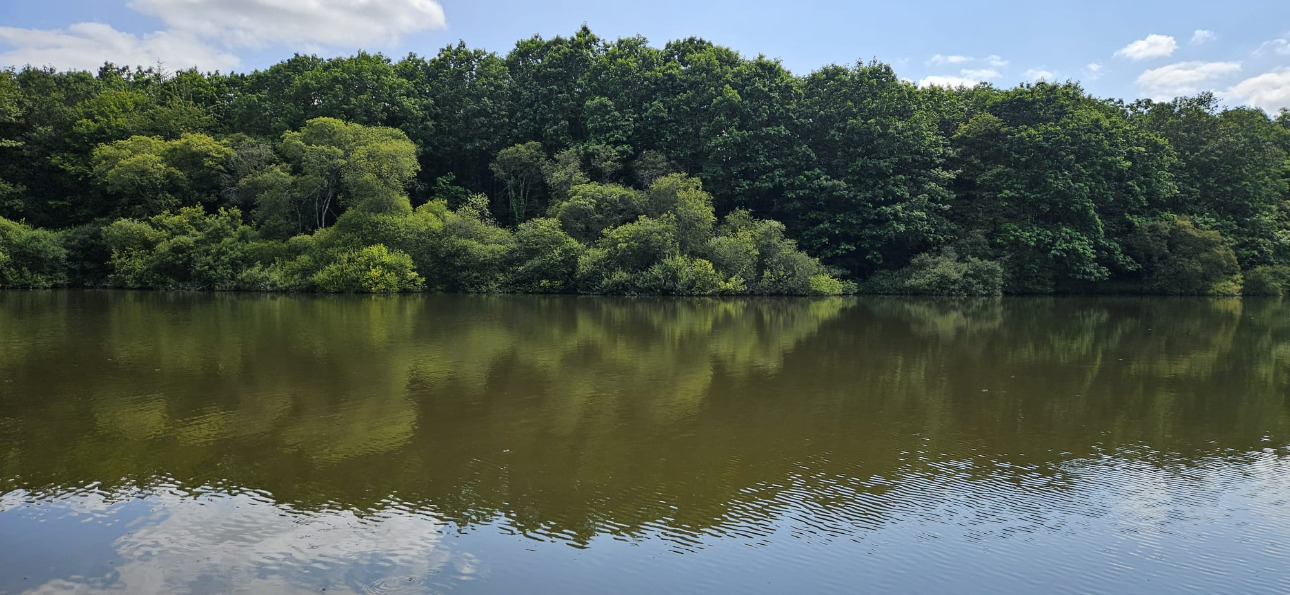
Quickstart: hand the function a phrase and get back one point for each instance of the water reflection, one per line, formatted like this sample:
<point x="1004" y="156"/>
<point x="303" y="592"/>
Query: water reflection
<point x="271" y="443"/>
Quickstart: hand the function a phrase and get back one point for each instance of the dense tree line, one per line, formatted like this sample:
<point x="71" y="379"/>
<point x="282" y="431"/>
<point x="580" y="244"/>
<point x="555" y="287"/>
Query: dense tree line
<point x="576" y="164"/>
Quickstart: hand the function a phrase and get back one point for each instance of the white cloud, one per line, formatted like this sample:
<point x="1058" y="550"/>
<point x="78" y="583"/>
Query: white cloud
<point x="942" y="60"/>
<point x="1154" y="46"/>
<point x="255" y="23"/>
<point x="1184" y="78"/>
<point x="980" y="74"/>
<point x="86" y="46"/>
<point x="1093" y="71"/>
<point x="986" y="69"/>
<point x="992" y="61"/>
<point x="947" y="81"/>
<point x="1201" y="36"/>
<point x="1039" y="74"/>
<point x="204" y="33"/>
<point x="967" y="77"/>
<point x="1276" y="46"/>
<point x="1270" y="90"/>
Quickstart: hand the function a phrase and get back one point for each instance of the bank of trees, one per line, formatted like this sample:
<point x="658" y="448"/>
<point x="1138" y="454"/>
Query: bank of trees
<point x="576" y="164"/>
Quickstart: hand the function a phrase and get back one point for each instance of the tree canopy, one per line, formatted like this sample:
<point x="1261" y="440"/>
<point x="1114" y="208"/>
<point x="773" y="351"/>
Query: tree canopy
<point x="576" y="163"/>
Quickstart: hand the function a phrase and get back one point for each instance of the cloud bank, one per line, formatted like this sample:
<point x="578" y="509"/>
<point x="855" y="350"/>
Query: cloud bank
<point x="1183" y="78"/>
<point x="204" y="33"/>
<point x="258" y="23"/>
<point x="1270" y="90"/>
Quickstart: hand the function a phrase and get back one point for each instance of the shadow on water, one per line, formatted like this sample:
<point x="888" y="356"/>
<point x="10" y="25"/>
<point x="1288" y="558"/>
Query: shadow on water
<point x="571" y="420"/>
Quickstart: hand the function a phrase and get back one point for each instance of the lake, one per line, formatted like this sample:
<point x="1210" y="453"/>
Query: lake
<point x="158" y="442"/>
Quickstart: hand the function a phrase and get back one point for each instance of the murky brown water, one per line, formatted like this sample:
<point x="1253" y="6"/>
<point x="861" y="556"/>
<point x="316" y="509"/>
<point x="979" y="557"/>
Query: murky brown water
<point x="156" y="442"/>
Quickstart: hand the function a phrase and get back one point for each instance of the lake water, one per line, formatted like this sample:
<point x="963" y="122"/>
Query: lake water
<point x="154" y="442"/>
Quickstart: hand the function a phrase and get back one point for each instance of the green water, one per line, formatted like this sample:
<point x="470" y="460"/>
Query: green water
<point x="154" y="442"/>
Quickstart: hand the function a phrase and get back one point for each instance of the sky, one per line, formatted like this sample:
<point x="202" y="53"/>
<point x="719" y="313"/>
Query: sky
<point x="1128" y="49"/>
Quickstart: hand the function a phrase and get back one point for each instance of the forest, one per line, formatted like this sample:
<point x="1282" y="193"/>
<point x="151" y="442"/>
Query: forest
<point x="582" y="165"/>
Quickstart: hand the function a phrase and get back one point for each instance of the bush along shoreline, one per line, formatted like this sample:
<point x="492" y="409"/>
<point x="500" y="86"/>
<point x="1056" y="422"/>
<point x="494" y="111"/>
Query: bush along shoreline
<point x="582" y="165"/>
<point x="597" y="238"/>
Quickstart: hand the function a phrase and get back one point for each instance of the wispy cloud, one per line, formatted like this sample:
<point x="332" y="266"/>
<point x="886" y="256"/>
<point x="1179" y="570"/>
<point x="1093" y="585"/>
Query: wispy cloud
<point x="967" y="77"/>
<point x="1280" y="47"/>
<point x="982" y="74"/>
<point x="948" y="81"/>
<point x="942" y="60"/>
<point x="1039" y="74"/>
<point x="1202" y="36"/>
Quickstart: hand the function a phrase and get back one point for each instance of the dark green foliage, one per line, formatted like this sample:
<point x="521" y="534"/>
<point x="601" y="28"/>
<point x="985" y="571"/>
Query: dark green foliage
<point x="942" y="273"/>
<point x="1054" y="179"/>
<point x="1232" y="173"/>
<point x="847" y="170"/>
<point x="87" y="255"/>
<point x="1267" y="281"/>
<point x="184" y="250"/>
<point x="544" y="259"/>
<point x="1179" y="259"/>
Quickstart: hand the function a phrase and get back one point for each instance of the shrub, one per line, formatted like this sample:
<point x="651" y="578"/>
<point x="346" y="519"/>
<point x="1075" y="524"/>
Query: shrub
<point x="30" y="258"/>
<point x="1177" y="258"/>
<point x="593" y="208"/>
<point x="544" y="258"/>
<point x="87" y="255"/>
<point x="945" y="274"/>
<point x="682" y="275"/>
<point x="734" y="254"/>
<point x="184" y="250"/>
<point x="471" y="255"/>
<point x="1267" y="281"/>
<point x="373" y="269"/>
<point x="636" y="246"/>
<point x="827" y="285"/>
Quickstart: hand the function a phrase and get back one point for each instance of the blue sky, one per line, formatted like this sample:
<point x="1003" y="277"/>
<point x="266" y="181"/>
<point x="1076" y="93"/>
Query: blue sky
<point x="1120" y="48"/>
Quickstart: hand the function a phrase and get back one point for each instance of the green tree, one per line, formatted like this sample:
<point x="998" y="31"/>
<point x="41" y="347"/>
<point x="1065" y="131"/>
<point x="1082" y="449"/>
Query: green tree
<point x="1055" y="179"/>
<point x="341" y="166"/>
<point x="1231" y="173"/>
<point x="1179" y="259"/>
<point x="521" y="169"/>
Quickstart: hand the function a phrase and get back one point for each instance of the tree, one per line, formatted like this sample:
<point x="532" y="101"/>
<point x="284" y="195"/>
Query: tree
<point x="1055" y="180"/>
<point x="1231" y="172"/>
<point x="521" y="169"/>
<point x="341" y="166"/>
<point x="877" y="192"/>
<point x="150" y="175"/>
<point x="470" y="112"/>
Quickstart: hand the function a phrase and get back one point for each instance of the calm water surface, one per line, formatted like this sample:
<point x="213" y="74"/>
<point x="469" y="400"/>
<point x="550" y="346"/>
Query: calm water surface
<point x="155" y="442"/>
